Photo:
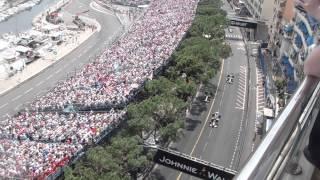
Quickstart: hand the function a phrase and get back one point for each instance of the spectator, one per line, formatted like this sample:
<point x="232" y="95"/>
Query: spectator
<point x="312" y="68"/>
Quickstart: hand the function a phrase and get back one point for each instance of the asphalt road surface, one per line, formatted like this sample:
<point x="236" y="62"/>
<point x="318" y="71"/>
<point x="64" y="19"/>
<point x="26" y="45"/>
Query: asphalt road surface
<point x="231" y="143"/>
<point x="15" y="99"/>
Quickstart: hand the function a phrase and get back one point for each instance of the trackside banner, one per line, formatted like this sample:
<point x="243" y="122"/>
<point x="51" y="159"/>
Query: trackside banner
<point x="243" y="24"/>
<point x="195" y="168"/>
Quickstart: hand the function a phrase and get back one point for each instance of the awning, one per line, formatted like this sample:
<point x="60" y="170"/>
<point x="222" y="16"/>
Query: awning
<point x="22" y="49"/>
<point x="268" y="112"/>
<point x="269" y="123"/>
<point x="35" y="33"/>
<point x="3" y="44"/>
<point x="9" y="54"/>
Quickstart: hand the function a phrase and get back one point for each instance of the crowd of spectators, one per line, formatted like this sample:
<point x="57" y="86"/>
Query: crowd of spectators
<point x="52" y="127"/>
<point x="36" y="142"/>
<point x="111" y="80"/>
<point x="28" y="159"/>
<point x="129" y="2"/>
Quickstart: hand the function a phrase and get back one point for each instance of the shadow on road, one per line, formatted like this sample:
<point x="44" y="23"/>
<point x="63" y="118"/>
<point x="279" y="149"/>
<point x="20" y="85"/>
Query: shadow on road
<point x="191" y="124"/>
<point x="198" y="107"/>
<point x="156" y="175"/>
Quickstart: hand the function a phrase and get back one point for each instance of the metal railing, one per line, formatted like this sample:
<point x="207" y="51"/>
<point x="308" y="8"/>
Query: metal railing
<point x="280" y="145"/>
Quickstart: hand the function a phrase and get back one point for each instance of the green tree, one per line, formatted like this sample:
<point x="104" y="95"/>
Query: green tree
<point x="172" y="131"/>
<point x="191" y="66"/>
<point x="96" y="164"/>
<point x="154" y="113"/>
<point x="158" y="86"/>
<point x="128" y="153"/>
<point x="214" y="3"/>
<point x="122" y="159"/>
<point x="209" y="25"/>
<point x="210" y="10"/>
<point x="185" y="89"/>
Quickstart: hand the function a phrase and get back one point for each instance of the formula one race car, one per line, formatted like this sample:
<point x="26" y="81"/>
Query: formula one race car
<point x="214" y="122"/>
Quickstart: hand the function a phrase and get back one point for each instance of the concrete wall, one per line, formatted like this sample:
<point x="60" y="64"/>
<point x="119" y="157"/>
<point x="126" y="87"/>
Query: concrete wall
<point x="267" y="11"/>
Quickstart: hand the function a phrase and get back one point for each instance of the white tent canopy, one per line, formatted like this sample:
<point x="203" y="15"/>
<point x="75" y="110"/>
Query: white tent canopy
<point x="268" y="112"/>
<point x="3" y="44"/>
<point x="4" y="74"/>
<point x="19" y="64"/>
<point x="9" y="54"/>
<point x="22" y="49"/>
<point x="33" y="32"/>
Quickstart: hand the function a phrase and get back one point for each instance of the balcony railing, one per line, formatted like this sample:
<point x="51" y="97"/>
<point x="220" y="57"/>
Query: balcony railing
<point x="281" y="147"/>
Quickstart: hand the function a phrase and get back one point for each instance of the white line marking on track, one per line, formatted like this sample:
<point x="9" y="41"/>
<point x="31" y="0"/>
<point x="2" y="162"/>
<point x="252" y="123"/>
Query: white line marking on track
<point x="240" y="97"/>
<point x="241" y="87"/>
<point x="49" y="77"/>
<point x="4" y="105"/>
<point x="26" y="92"/>
<point x="94" y="5"/>
<point x="39" y="83"/>
<point x="239" y="101"/>
<point x="59" y="70"/>
<point x="17" y="107"/>
<point x="16" y="98"/>
<point x="210" y="132"/>
<point x="205" y="146"/>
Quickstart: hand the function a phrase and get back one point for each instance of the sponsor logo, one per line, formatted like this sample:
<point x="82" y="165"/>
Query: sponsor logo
<point x="192" y="168"/>
<point x="243" y="24"/>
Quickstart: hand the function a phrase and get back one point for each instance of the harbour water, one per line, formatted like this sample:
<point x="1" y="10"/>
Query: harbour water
<point x="23" y="21"/>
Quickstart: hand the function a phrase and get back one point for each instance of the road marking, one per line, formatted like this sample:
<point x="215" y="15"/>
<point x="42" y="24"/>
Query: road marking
<point x="210" y="133"/>
<point x="26" y="92"/>
<point x="38" y="93"/>
<point x="4" y="105"/>
<point x="241" y="122"/>
<point x="92" y="6"/>
<point x="49" y="77"/>
<point x="17" y="107"/>
<point x="16" y="98"/>
<point x="205" y="124"/>
<point x="242" y="88"/>
<point x="252" y="148"/>
<point x="39" y="83"/>
<point x="205" y="146"/>
<point x="240" y="99"/>
<point x="59" y="70"/>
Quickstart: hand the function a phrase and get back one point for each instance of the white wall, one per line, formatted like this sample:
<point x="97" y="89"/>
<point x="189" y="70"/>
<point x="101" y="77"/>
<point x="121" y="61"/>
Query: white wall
<point x="267" y="11"/>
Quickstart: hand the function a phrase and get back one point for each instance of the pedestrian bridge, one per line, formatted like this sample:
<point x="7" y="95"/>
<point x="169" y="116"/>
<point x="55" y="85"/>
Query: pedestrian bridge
<point x="244" y="22"/>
